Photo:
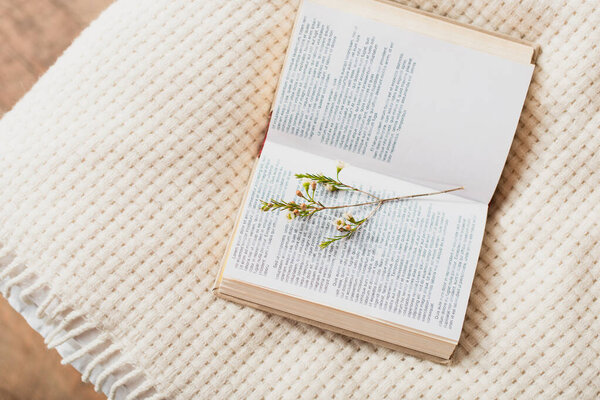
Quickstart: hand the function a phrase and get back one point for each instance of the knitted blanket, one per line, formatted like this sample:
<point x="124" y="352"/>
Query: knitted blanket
<point x="122" y="169"/>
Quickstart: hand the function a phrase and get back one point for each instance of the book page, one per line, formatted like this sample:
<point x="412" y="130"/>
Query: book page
<point x="412" y="263"/>
<point x="398" y="102"/>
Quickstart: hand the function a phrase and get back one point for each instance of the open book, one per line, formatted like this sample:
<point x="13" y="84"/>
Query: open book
<point x="414" y="103"/>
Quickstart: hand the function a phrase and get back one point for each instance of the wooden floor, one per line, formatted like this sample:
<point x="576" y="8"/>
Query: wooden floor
<point x="33" y="33"/>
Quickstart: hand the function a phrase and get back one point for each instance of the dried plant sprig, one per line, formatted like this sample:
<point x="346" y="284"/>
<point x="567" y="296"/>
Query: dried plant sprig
<point x="347" y="225"/>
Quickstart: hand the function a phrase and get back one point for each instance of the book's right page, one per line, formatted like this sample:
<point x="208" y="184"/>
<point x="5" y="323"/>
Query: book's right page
<point x="398" y="102"/>
<point x="411" y="264"/>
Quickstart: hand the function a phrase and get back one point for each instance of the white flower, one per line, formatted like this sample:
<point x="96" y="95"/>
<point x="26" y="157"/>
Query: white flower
<point x="329" y="187"/>
<point x="290" y="216"/>
<point x="347" y="216"/>
<point x="338" y="223"/>
<point x="341" y="165"/>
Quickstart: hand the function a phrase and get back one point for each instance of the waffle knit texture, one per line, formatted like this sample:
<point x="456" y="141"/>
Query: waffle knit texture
<point x="122" y="170"/>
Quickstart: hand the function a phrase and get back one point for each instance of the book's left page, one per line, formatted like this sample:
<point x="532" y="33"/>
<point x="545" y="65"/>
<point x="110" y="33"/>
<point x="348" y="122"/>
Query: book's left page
<point x="396" y="101"/>
<point x="411" y="264"/>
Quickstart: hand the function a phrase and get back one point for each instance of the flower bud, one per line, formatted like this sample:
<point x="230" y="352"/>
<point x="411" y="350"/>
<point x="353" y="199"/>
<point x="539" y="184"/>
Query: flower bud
<point x="305" y="183"/>
<point x="303" y="206"/>
<point x="313" y="185"/>
<point x="299" y="194"/>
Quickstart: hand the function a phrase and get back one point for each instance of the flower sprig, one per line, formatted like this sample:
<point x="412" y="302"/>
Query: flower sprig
<point x="347" y="225"/>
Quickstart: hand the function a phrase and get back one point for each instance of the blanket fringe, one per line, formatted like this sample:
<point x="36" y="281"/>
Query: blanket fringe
<point x="139" y="391"/>
<point x="31" y="289"/>
<point x="41" y="309"/>
<point x="106" y="372"/>
<point x="99" y="359"/>
<point x="100" y="353"/>
<point x="18" y="280"/>
<point x="10" y="272"/>
<point x="63" y="325"/>
<point x="122" y="381"/>
<point x="88" y="348"/>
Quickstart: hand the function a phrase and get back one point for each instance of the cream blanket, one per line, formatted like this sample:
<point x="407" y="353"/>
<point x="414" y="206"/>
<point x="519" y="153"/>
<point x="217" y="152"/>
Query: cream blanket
<point x="122" y="169"/>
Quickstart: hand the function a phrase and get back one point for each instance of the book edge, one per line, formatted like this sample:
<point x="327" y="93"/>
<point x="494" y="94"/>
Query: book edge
<point x="534" y="46"/>
<point x="453" y="31"/>
<point x="336" y="329"/>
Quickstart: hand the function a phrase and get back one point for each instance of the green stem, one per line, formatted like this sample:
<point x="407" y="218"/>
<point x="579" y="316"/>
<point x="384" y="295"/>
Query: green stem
<point x="358" y="190"/>
<point x="381" y="201"/>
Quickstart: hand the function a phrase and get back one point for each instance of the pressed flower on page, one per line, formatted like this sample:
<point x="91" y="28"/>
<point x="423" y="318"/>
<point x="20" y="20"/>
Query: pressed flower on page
<point x="347" y="225"/>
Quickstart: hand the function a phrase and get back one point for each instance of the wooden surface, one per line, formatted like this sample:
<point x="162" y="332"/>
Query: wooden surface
<point x="28" y="370"/>
<point x="33" y="33"/>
